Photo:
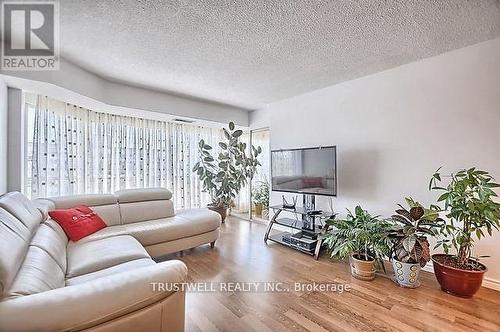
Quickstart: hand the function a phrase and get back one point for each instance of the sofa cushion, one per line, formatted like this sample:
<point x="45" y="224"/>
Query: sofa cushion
<point x="149" y="210"/>
<point x="21" y="208"/>
<point x="105" y="233"/>
<point x="96" y="255"/>
<point x="144" y="204"/>
<point x="39" y="272"/>
<point x="105" y="205"/>
<point x="102" y="304"/>
<point x="124" y="267"/>
<point x="14" y="240"/>
<point x="57" y="228"/>
<point x="47" y="239"/>
<point x="67" y="202"/>
<point x="44" y="206"/>
<point x="141" y="195"/>
<point x="201" y="216"/>
<point x="185" y="223"/>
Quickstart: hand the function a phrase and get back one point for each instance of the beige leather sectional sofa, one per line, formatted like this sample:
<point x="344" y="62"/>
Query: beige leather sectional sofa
<point x="104" y="281"/>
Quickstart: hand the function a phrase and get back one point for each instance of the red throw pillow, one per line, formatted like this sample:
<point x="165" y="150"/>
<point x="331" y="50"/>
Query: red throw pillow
<point x="78" y="222"/>
<point x="312" y="182"/>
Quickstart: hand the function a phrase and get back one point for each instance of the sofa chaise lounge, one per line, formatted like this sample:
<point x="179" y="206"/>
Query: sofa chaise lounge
<point x="103" y="282"/>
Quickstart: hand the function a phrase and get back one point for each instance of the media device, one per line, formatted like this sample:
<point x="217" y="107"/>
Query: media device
<point x="309" y="171"/>
<point x="306" y="171"/>
<point x="299" y="240"/>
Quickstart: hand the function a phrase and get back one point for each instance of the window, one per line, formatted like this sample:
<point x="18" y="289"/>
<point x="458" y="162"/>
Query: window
<point x="73" y="150"/>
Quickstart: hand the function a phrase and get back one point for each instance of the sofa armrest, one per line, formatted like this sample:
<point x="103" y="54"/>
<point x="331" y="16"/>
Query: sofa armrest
<point x="91" y="303"/>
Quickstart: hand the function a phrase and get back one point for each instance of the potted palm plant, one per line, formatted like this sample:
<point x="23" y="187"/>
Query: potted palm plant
<point x="260" y="197"/>
<point x="223" y="176"/>
<point x="362" y="238"/>
<point x="470" y="212"/>
<point x="410" y="249"/>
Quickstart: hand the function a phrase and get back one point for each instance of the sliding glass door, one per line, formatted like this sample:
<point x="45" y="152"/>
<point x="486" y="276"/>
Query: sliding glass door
<point x="259" y="196"/>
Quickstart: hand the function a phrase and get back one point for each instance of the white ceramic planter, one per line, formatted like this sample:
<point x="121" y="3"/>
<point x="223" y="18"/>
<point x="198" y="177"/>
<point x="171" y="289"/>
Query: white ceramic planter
<point x="406" y="274"/>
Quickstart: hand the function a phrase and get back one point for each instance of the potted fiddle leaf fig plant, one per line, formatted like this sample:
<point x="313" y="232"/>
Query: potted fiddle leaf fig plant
<point x="223" y="176"/>
<point x="363" y="239"/>
<point x="471" y="211"/>
<point x="410" y="248"/>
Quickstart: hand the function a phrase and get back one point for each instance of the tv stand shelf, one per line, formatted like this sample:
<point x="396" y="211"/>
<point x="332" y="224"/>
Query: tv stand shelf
<point x="299" y="210"/>
<point x="278" y="238"/>
<point x="295" y="225"/>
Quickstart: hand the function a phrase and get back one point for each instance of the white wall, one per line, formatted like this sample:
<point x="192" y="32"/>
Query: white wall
<point x="394" y="128"/>
<point x="3" y="136"/>
<point x="87" y="84"/>
<point x="259" y="119"/>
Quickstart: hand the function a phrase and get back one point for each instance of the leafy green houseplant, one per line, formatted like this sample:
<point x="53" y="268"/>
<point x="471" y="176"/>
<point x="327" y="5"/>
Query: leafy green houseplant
<point x="410" y="248"/>
<point x="362" y="238"/>
<point x="471" y="212"/>
<point x="224" y="175"/>
<point x="260" y="196"/>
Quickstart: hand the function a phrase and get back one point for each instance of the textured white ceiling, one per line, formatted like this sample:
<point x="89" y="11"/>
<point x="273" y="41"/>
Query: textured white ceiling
<point x="249" y="53"/>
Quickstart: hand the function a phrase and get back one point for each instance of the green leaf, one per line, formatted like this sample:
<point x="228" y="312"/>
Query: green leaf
<point x="443" y="197"/>
<point x="401" y="219"/>
<point x="231" y="125"/>
<point x="358" y="210"/>
<point x="237" y="133"/>
<point x="207" y="147"/>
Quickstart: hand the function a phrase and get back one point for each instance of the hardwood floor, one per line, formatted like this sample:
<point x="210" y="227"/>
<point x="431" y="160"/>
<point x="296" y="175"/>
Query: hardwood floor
<point x="240" y="254"/>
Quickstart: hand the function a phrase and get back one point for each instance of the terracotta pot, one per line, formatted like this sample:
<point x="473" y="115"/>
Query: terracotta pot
<point x="464" y="283"/>
<point x="258" y="210"/>
<point x="362" y="269"/>
<point x="220" y="210"/>
<point x="406" y="274"/>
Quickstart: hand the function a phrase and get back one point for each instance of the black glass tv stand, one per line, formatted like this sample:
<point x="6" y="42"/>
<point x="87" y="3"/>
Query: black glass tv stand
<point x="302" y="230"/>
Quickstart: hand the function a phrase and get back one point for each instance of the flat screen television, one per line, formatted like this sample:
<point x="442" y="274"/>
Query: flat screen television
<point x="305" y="171"/>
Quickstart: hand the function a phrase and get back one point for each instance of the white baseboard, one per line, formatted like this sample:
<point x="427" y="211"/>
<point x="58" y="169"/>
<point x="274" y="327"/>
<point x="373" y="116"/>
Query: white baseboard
<point x="487" y="282"/>
<point x="491" y="283"/>
<point x="428" y="268"/>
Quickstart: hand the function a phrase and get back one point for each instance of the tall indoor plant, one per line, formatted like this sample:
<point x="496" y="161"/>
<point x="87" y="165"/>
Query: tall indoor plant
<point x="410" y="248"/>
<point x="362" y="238"/>
<point x="224" y="175"/>
<point x="470" y="211"/>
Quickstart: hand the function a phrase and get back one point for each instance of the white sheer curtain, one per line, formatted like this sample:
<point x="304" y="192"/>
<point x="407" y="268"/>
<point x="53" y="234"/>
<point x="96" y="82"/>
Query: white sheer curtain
<point x="73" y="150"/>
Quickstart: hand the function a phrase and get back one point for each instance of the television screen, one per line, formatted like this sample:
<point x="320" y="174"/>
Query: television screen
<point x="305" y="171"/>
